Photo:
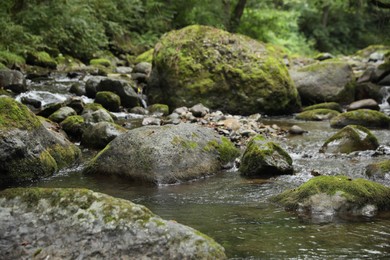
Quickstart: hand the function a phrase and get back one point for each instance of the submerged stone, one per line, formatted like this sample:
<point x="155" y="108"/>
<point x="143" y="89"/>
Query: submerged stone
<point x="378" y="169"/>
<point x="74" y="223"/>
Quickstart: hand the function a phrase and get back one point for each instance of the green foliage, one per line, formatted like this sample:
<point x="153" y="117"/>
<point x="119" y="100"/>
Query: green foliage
<point x="279" y="27"/>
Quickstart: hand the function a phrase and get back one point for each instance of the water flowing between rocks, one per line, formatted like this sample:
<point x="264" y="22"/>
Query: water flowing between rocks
<point x="235" y="211"/>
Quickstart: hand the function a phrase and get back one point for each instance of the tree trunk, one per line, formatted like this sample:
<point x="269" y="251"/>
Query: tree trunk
<point x="236" y="15"/>
<point x="325" y="15"/>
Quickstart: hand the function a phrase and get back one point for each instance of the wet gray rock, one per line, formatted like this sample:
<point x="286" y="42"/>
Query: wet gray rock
<point x="363" y="104"/>
<point x="123" y="70"/>
<point x="199" y="110"/>
<point x="296" y="130"/>
<point x="76" y="103"/>
<point x="143" y="67"/>
<point x="78" y="223"/>
<point x="164" y="154"/>
<point x="13" y="80"/>
<point x="325" y="82"/>
<point x="108" y="100"/>
<point x="91" y="85"/>
<point x="151" y="121"/>
<point x="100" y="134"/>
<point x="368" y="90"/>
<point x="78" y="89"/>
<point x="138" y="110"/>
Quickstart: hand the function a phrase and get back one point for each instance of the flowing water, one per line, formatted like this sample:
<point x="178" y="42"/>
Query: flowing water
<point x="235" y="211"/>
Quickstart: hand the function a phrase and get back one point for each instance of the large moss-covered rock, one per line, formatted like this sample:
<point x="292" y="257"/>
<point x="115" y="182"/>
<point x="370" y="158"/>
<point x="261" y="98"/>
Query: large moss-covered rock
<point x="364" y="117"/>
<point x="74" y="126"/>
<point x="349" y="139"/>
<point x="166" y="154"/>
<point x="123" y="88"/>
<point x="317" y="114"/>
<point x="27" y="149"/>
<point x="326" y="197"/>
<point x="325" y="82"/>
<point x="233" y="73"/>
<point x="263" y="158"/>
<point x="74" y="223"/>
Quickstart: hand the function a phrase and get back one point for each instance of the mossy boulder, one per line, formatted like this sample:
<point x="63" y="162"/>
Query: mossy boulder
<point x="327" y="105"/>
<point x="74" y="126"/>
<point x="66" y="223"/>
<point x="326" y="197"/>
<point x="325" y="82"/>
<point x="263" y="158"/>
<point x="159" y="108"/>
<point x="108" y="100"/>
<point x="364" y="117"/>
<point x="378" y="169"/>
<point x="100" y="134"/>
<point x="62" y="113"/>
<point x="350" y="139"/>
<point x="317" y="114"/>
<point x="224" y="71"/>
<point x="11" y="60"/>
<point x="27" y="149"/>
<point x="42" y="59"/>
<point x="166" y="154"/>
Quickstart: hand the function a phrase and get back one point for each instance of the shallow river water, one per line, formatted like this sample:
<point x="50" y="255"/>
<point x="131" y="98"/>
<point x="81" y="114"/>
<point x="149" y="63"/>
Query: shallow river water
<point x="235" y="211"/>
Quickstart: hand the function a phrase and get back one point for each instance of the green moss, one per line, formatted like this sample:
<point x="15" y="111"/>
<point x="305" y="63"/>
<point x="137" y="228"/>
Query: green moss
<point x="327" y="105"/>
<point x="109" y="100"/>
<point x="359" y="191"/>
<point x="64" y="155"/>
<point x="226" y="150"/>
<point x="10" y="59"/>
<point x="16" y="115"/>
<point x="353" y="138"/>
<point x="364" y="117"/>
<point x="255" y="158"/>
<point x="41" y="58"/>
<point x="203" y="64"/>
<point x="378" y="169"/>
<point x="317" y="114"/>
<point x="147" y="56"/>
<point x="93" y="107"/>
<point x="161" y="108"/>
<point x="100" y="62"/>
<point x="184" y="143"/>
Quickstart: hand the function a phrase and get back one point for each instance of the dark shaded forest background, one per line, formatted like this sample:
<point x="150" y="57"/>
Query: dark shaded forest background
<point x="85" y="29"/>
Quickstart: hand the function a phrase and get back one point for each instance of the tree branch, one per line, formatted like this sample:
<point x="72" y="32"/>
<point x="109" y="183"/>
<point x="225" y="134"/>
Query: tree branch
<point x="380" y="4"/>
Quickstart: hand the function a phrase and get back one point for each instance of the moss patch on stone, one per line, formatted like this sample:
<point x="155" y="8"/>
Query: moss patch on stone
<point x="317" y="114"/>
<point x="378" y="169"/>
<point x="100" y="62"/>
<point x="73" y="125"/>
<point x="109" y="100"/>
<point x="262" y="157"/>
<point x="351" y="138"/>
<point x="226" y="150"/>
<point x="10" y="59"/>
<point x="364" y="117"/>
<point x="327" y="105"/>
<point x="16" y="115"/>
<point x="160" y="108"/>
<point x="147" y="56"/>
<point x="358" y="192"/>
<point x="41" y="58"/>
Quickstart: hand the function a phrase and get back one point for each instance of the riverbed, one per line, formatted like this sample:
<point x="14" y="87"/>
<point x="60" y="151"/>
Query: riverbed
<point x="235" y="211"/>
